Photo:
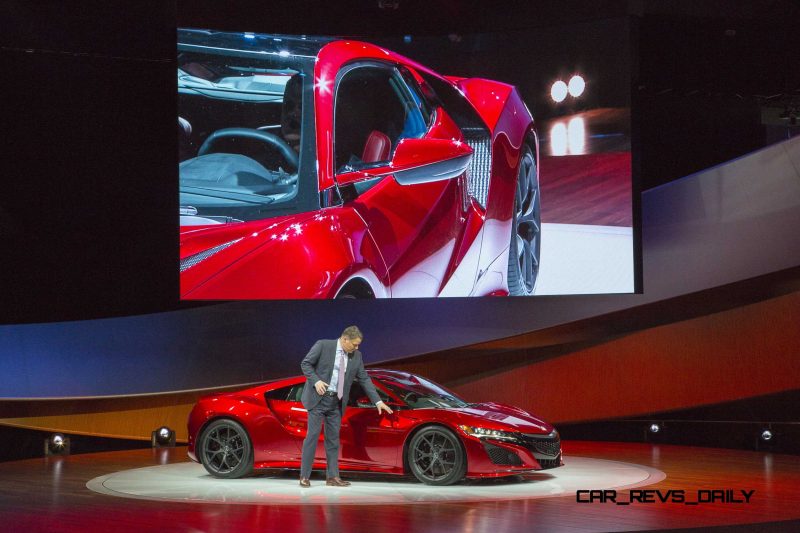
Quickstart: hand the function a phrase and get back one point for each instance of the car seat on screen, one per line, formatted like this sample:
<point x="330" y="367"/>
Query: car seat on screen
<point x="291" y="111"/>
<point x="185" y="145"/>
<point x="377" y="147"/>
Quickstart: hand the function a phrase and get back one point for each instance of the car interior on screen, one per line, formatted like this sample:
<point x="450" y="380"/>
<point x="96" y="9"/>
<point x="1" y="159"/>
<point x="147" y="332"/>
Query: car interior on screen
<point x="239" y="133"/>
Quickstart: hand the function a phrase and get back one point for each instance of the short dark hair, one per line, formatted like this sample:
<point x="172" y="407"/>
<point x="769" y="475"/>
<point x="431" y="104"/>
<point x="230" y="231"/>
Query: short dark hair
<point x="352" y="332"/>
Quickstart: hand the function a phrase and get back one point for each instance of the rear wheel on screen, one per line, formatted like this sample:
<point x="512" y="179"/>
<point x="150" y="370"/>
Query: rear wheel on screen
<point x="435" y="456"/>
<point x="226" y="450"/>
<point x="525" y="245"/>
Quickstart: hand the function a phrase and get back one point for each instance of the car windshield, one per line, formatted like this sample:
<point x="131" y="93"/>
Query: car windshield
<point x="241" y="134"/>
<point x="419" y="393"/>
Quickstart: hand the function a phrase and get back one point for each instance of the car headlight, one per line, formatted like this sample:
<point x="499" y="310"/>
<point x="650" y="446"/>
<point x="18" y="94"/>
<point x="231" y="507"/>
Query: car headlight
<point x="489" y="433"/>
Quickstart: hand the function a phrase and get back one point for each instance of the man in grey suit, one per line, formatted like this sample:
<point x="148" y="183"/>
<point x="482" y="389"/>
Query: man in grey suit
<point x="330" y="368"/>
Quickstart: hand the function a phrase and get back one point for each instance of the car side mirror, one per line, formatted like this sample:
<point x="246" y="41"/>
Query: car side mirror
<point x="364" y="401"/>
<point x="417" y="161"/>
<point x="426" y="160"/>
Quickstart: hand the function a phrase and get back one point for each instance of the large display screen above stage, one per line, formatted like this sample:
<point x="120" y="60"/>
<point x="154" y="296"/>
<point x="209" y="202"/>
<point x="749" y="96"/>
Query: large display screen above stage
<point x="416" y="166"/>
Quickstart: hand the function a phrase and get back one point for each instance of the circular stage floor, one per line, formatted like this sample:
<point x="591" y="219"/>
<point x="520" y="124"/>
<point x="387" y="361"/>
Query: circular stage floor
<point x="189" y="482"/>
<point x="51" y="494"/>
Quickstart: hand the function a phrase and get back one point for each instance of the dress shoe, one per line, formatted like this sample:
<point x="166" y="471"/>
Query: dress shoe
<point x="304" y="482"/>
<point x="337" y="482"/>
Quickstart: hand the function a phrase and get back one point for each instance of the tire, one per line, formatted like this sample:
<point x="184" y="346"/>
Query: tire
<point x="435" y="456"/>
<point x="525" y="246"/>
<point x="225" y="450"/>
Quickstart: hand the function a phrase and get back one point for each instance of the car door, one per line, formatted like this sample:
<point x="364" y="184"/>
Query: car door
<point x="416" y="226"/>
<point x="369" y="440"/>
<point x="292" y="417"/>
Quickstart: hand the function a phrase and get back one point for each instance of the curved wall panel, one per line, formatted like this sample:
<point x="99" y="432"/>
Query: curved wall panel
<point x="740" y="353"/>
<point x="729" y="223"/>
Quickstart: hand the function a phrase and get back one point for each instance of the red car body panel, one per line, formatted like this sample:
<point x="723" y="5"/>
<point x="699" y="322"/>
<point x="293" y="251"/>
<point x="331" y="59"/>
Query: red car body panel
<point x="428" y="239"/>
<point x="368" y="441"/>
<point x="291" y="250"/>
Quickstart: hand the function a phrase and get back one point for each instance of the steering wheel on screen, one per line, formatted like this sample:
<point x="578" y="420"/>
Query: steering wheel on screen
<point x="283" y="148"/>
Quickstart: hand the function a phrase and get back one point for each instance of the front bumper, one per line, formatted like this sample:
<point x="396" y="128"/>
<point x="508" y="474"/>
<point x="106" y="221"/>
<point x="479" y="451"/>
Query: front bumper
<point x="487" y="457"/>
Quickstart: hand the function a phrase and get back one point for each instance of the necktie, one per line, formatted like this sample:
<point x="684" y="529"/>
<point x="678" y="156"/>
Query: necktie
<point x="340" y="383"/>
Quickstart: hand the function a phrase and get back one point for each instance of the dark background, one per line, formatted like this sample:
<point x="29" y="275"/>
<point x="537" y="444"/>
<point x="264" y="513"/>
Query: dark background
<point x="87" y="210"/>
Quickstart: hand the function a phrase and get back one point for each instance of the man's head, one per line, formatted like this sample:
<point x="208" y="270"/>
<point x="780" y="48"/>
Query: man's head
<point x="351" y="339"/>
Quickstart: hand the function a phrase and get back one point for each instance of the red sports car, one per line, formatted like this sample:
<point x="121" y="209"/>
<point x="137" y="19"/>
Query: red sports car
<point x="432" y="434"/>
<point x="324" y="168"/>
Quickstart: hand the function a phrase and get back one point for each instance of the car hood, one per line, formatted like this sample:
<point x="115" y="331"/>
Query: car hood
<point x="492" y="415"/>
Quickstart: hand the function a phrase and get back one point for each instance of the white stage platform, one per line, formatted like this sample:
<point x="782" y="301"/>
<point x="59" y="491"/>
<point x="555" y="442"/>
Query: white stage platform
<point x="189" y="482"/>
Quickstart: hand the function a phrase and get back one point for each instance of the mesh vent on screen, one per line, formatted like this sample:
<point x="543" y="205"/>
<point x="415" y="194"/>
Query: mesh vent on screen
<point x="192" y="260"/>
<point x="480" y="168"/>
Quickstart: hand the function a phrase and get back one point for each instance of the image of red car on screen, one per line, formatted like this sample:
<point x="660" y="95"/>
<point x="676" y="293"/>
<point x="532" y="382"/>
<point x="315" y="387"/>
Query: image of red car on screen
<point x="432" y="434"/>
<point x="325" y="168"/>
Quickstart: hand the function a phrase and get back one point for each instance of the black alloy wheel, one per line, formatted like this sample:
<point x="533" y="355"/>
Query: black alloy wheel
<point x="226" y="450"/>
<point x="435" y="456"/>
<point x="525" y="246"/>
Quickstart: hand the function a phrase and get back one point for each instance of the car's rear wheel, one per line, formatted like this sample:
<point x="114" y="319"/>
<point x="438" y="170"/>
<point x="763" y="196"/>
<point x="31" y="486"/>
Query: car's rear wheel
<point x="226" y="450"/>
<point x="525" y="245"/>
<point x="435" y="456"/>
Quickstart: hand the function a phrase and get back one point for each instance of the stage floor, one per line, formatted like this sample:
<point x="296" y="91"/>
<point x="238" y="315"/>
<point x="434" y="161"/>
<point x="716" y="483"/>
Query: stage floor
<point x="189" y="482"/>
<point x="51" y="494"/>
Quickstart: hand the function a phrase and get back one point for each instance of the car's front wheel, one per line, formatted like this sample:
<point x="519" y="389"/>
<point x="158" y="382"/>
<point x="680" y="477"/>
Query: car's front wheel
<point x="226" y="450"/>
<point x="525" y="245"/>
<point x="435" y="456"/>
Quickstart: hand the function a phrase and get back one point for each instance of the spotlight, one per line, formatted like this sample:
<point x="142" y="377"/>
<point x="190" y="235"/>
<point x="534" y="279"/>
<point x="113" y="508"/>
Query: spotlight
<point x="576" y="86"/>
<point x="767" y="435"/>
<point x="655" y="428"/>
<point x="558" y="91"/>
<point x="56" y="444"/>
<point x="163" y="437"/>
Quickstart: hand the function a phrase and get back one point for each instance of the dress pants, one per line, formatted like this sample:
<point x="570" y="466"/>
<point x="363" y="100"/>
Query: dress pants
<point x="329" y="411"/>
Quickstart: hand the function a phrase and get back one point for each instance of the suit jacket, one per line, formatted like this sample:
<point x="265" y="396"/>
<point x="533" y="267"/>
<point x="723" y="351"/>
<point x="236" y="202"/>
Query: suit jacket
<point x="318" y="365"/>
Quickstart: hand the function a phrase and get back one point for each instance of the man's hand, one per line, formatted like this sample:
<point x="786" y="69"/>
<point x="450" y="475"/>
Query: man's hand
<point x="321" y="387"/>
<point x="383" y="407"/>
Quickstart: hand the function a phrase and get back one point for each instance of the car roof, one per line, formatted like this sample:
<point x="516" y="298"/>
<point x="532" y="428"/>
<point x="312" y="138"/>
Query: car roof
<point x="381" y="373"/>
<point x="301" y="45"/>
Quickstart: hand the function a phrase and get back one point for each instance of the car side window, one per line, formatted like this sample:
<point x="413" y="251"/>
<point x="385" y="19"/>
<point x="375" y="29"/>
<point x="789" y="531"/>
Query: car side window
<point x="416" y="93"/>
<point x="359" y="398"/>
<point x="292" y="393"/>
<point x="374" y="111"/>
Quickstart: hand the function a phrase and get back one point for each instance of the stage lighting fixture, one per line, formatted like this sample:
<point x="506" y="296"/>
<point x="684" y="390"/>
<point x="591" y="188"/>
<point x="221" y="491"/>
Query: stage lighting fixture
<point x="163" y="437"/>
<point x="576" y="86"/>
<point x="767" y="435"/>
<point x="655" y="428"/>
<point x="558" y="91"/>
<point x="56" y="444"/>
